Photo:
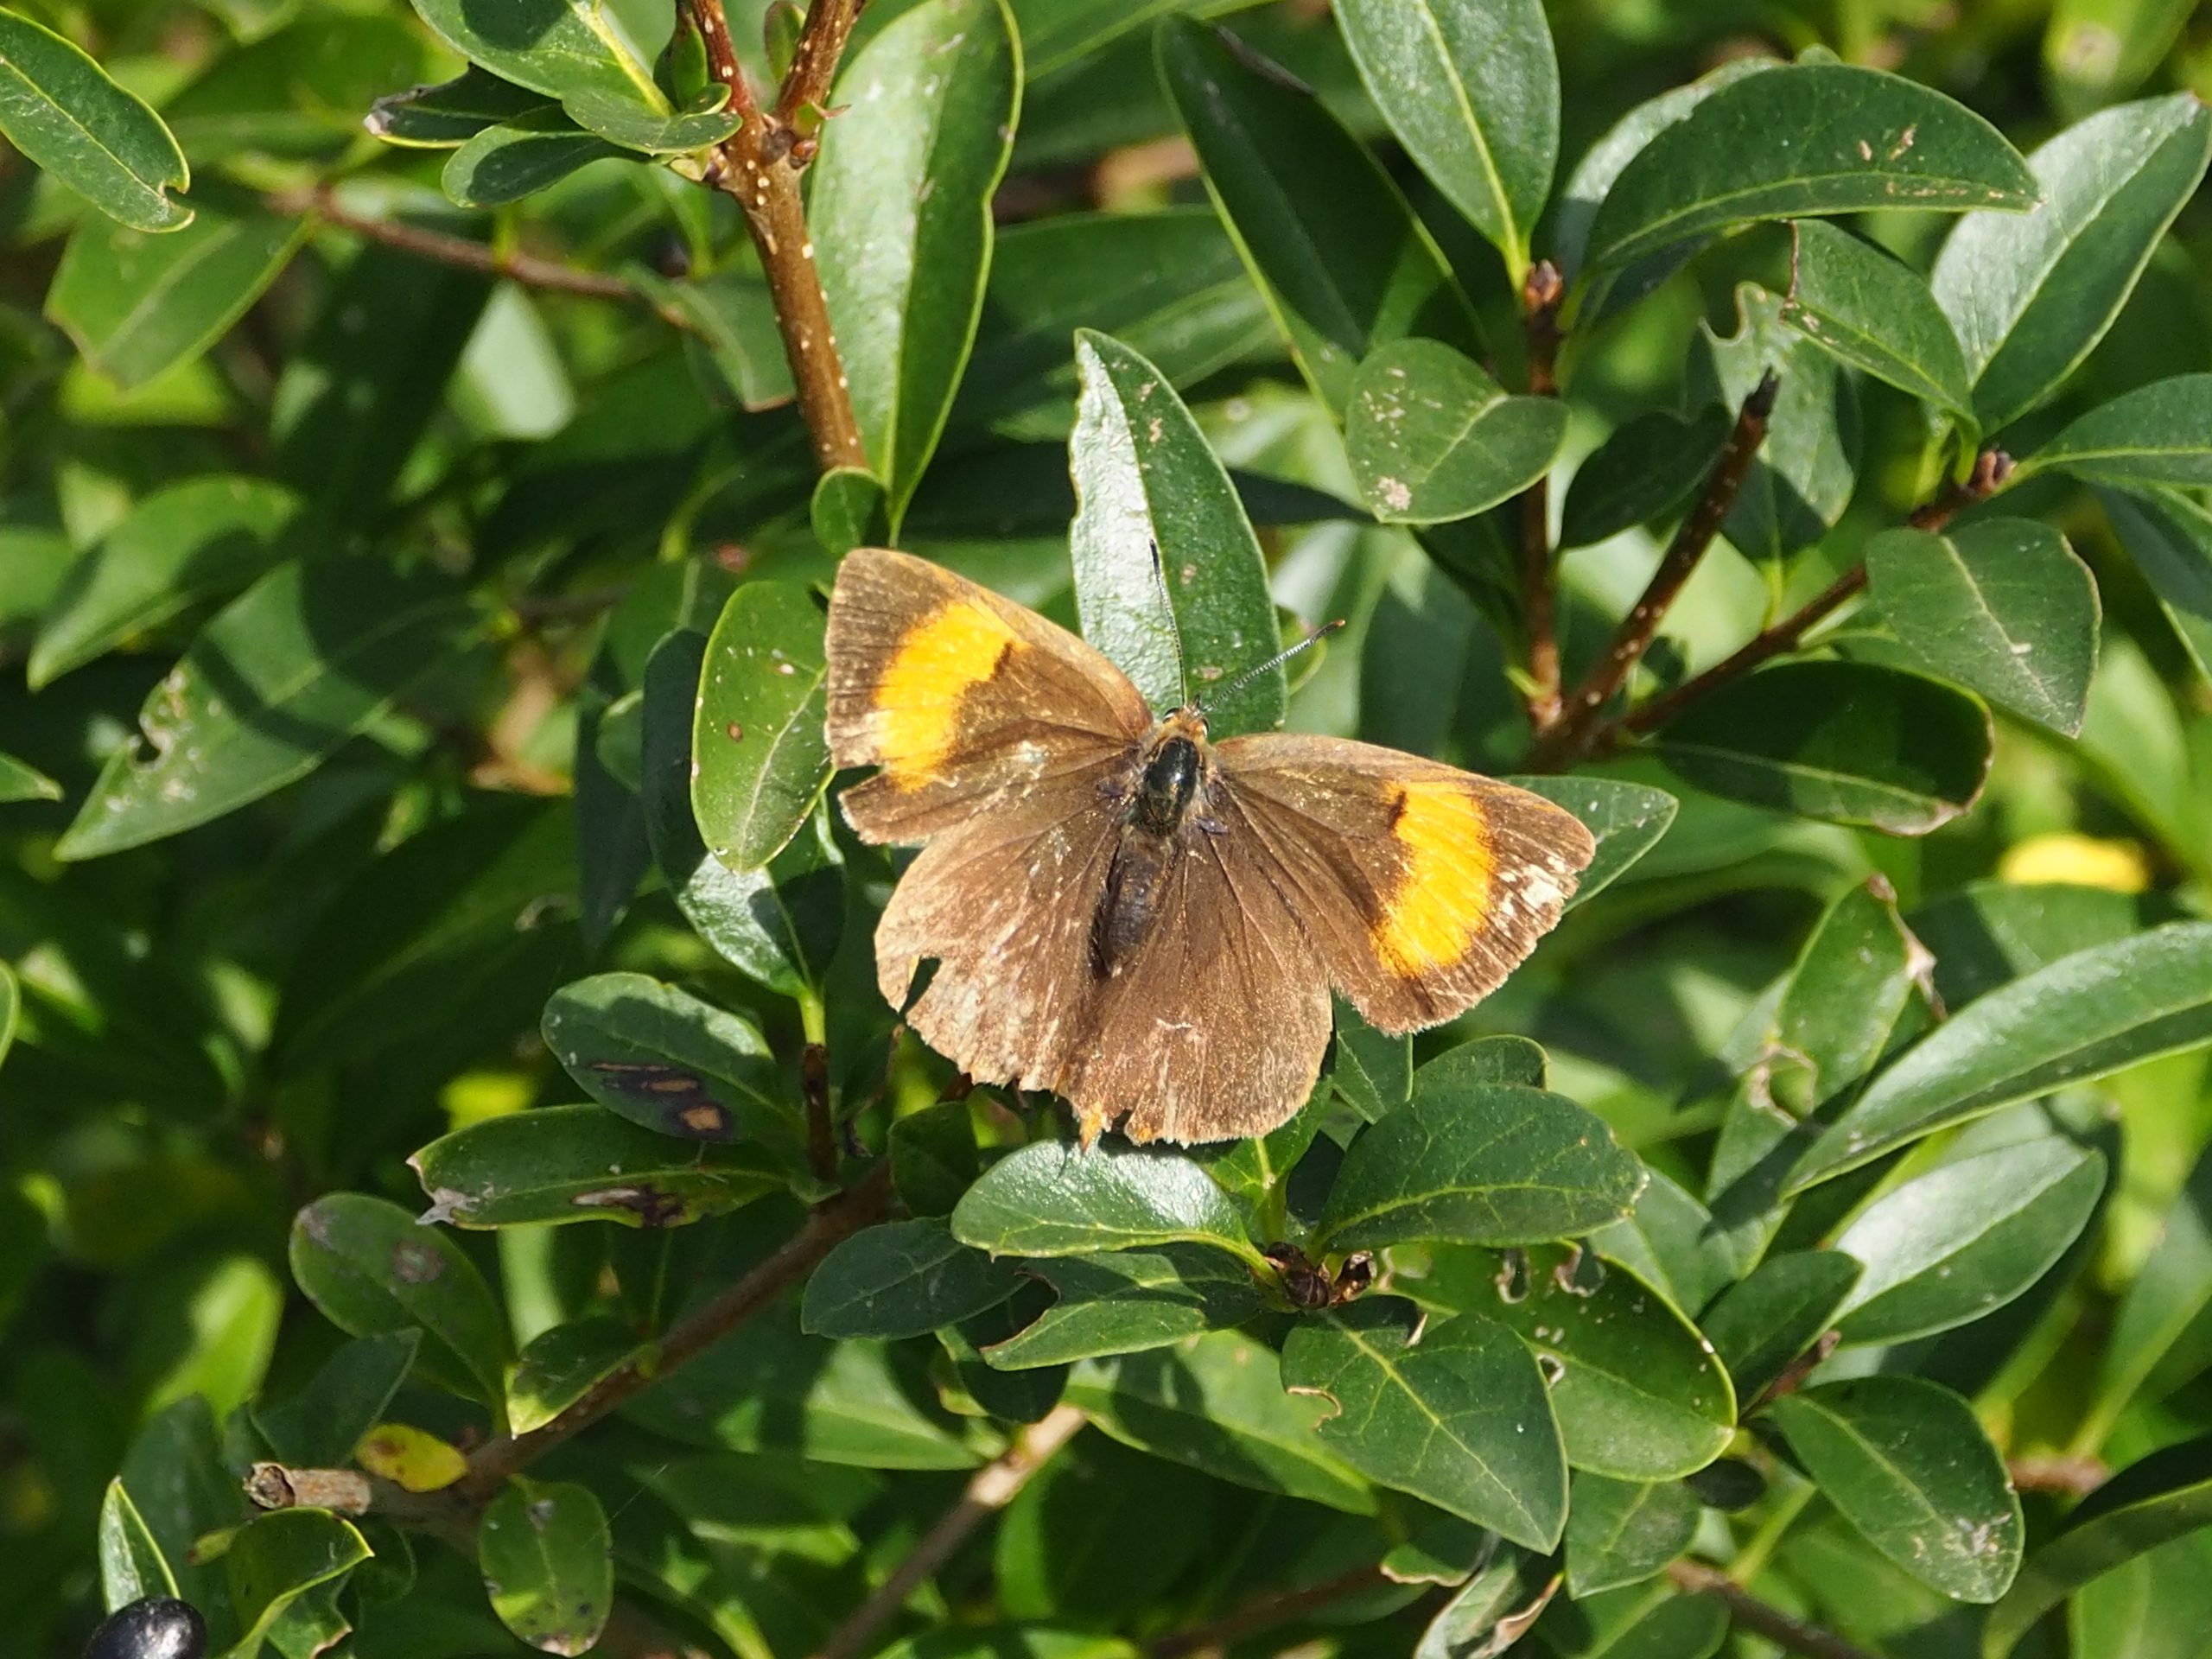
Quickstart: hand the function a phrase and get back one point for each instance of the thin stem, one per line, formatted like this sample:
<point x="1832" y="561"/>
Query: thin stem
<point x="990" y="1491"/>
<point x="1569" y="739"/>
<point x="814" y="66"/>
<point x="1762" y="1618"/>
<point x="1265" y="1613"/>
<point x="1541" y="293"/>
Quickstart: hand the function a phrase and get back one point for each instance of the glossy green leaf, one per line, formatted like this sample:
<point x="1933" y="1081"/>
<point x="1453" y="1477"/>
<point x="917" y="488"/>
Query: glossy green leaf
<point x="1458" y="1418"/>
<point x="2155" y="436"/>
<point x="1906" y="1463"/>
<point x="760" y="758"/>
<point x="902" y="1279"/>
<point x="582" y="1163"/>
<point x="520" y="157"/>
<point x="623" y="121"/>
<point x="348" y="1396"/>
<point x="1490" y="1611"/>
<point x="1145" y="478"/>
<point x="1761" y="1324"/>
<point x="1875" y="313"/>
<point x="132" y="1565"/>
<point x="779" y="925"/>
<point x="2082" y="1018"/>
<point x="1626" y="820"/>
<point x="1126" y="1302"/>
<point x="1670" y="1242"/>
<point x="1471" y="90"/>
<point x="2166" y="1496"/>
<point x="1346" y="265"/>
<point x="373" y="1271"/>
<point x="1373" y="1074"/>
<point x="1646" y="470"/>
<point x="1624" y="1531"/>
<point x="1052" y="1198"/>
<point x="204" y="538"/>
<point x="562" y="1365"/>
<point x="64" y="113"/>
<point x="554" y="46"/>
<point x="903" y="190"/>
<point x="2031" y="293"/>
<point x="283" y="675"/>
<point x="137" y="305"/>
<point x="1849" y="742"/>
<point x="450" y="113"/>
<point x="2169" y="538"/>
<point x="1479" y="1163"/>
<point x="280" y="1557"/>
<point x="667" y="1061"/>
<point x="1862" y="139"/>
<point x="1432" y="437"/>
<point x="934" y="1158"/>
<point x="1216" y="1403"/>
<point x="548" y="1563"/>
<point x="19" y="782"/>
<point x="1012" y="1396"/>
<point x="1639" y="1394"/>
<point x="2000" y="605"/>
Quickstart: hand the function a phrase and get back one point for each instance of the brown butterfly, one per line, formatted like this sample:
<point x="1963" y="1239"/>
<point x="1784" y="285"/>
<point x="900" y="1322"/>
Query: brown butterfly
<point x="1140" y="920"/>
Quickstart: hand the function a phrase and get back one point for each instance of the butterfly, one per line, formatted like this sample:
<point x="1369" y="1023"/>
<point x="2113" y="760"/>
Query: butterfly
<point x="1143" y="921"/>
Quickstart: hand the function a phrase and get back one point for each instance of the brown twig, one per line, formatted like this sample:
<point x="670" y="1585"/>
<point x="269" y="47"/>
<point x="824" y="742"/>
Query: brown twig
<point x="1569" y="739"/>
<point x="1761" y="1617"/>
<point x="1541" y="293"/>
<point x="990" y="1491"/>
<point x="1265" y="1614"/>
<point x="2066" y="1474"/>
<point x="821" y="1130"/>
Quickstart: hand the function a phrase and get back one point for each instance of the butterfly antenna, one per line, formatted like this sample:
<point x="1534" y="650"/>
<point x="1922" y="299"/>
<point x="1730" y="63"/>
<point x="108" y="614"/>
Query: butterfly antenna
<point x="1175" y="627"/>
<point x="1314" y="637"/>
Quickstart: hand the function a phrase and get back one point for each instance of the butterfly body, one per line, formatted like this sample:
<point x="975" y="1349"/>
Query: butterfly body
<point x="1136" y="918"/>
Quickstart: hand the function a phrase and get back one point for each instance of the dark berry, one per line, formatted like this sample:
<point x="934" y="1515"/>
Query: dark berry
<point x="160" y="1627"/>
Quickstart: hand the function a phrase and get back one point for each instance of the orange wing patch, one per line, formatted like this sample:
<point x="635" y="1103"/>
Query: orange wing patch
<point x="1432" y="917"/>
<point x="917" y="703"/>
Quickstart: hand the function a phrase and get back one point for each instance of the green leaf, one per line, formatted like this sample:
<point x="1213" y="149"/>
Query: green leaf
<point x="2084" y="1017"/>
<point x="137" y="305"/>
<point x="2000" y="605"/>
<point x="1215" y="1402"/>
<point x="279" y="1557"/>
<point x="2031" y="293"/>
<point x="1638" y="1393"/>
<point x="1849" y="742"/>
<point x="1480" y="1163"/>
<point x="132" y="1565"/>
<point x="203" y="538"/>
<point x="64" y="113"/>
<point x="283" y="675"/>
<point x="2094" y="51"/>
<point x="902" y="1279"/>
<point x="1374" y="1074"/>
<point x="779" y="925"/>
<point x="1858" y="140"/>
<point x="1050" y="1199"/>
<point x="1431" y="437"/>
<point x="319" y="1426"/>
<point x="1761" y="1325"/>
<point x="1128" y="1301"/>
<point x="901" y="212"/>
<point x="847" y="511"/>
<point x="1346" y="265"/>
<point x="1471" y="90"/>
<point x="1868" y="310"/>
<point x="2167" y="1496"/>
<point x="667" y="1061"/>
<point x="19" y="782"/>
<point x="554" y="46"/>
<point x="622" y="120"/>
<point x="2160" y="1329"/>
<point x="562" y="1365"/>
<point x="1627" y="821"/>
<point x="372" y="1271"/>
<point x="2154" y="436"/>
<point x="1490" y="1611"/>
<point x="582" y="1163"/>
<point x="548" y="1563"/>
<point x="450" y="113"/>
<point x="760" y="758"/>
<point x="1949" y="1246"/>
<point x="1907" y="1463"/>
<point x="1622" y="1531"/>
<point x="1458" y="1417"/>
<point x="2169" y="538"/>
<point x="1643" y="471"/>
<point x="1670" y="1242"/>
<point x="1145" y="478"/>
<point x="520" y="157"/>
<point x="934" y="1158"/>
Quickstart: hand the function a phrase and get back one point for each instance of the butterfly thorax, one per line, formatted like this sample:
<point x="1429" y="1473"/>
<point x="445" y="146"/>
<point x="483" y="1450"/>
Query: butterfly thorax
<point x="1166" y="809"/>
